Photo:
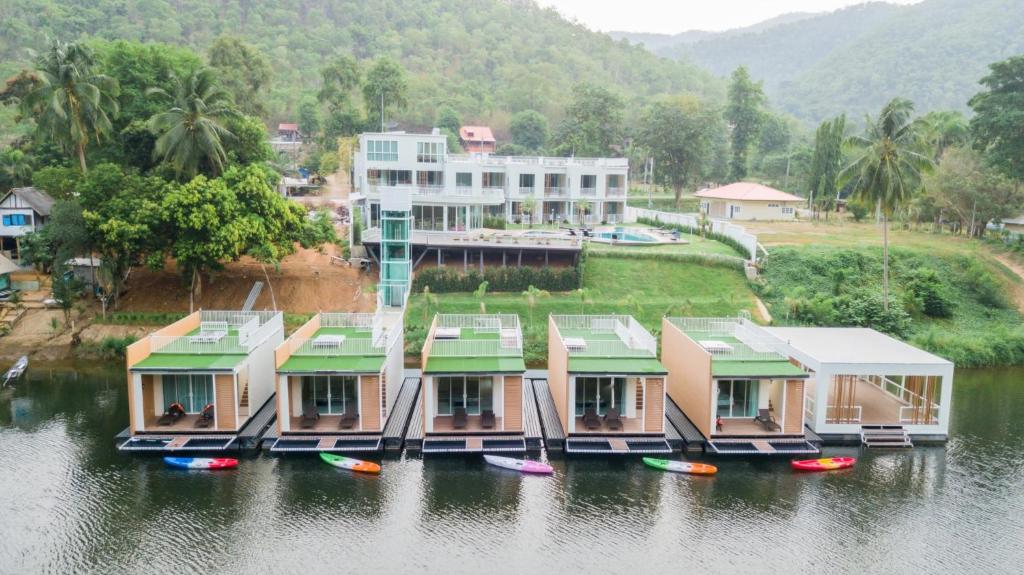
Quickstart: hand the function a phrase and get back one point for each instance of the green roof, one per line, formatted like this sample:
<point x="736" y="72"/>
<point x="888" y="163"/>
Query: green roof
<point x="334" y="364"/>
<point x="487" y="364"/>
<point x="637" y="365"/>
<point x="755" y="369"/>
<point x="194" y="362"/>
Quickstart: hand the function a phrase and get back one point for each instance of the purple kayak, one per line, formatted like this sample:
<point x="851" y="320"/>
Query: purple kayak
<point x="521" y="465"/>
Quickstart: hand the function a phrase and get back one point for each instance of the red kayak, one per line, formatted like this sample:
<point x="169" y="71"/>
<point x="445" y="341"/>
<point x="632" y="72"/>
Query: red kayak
<point x="826" y="464"/>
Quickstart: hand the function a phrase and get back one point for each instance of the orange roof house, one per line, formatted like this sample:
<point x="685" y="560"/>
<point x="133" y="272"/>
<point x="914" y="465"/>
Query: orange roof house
<point x="748" y="201"/>
<point x="476" y="139"/>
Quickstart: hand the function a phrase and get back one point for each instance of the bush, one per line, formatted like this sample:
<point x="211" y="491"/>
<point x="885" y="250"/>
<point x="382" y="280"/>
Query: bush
<point x="857" y="210"/>
<point x="494" y="223"/>
<point x="929" y="293"/>
<point x="981" y="284"/>
<point x="447" y="280"/>
<point x="689" y="258"/>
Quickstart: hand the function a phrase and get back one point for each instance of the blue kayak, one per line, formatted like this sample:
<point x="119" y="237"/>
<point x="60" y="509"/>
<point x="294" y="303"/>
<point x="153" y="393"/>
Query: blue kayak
<point x="201" y="462"/>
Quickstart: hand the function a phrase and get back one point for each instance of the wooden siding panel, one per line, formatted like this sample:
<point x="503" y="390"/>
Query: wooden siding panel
<point x="513" y="416"/>
<point x="369" y="402"/>
<point x="654" y="406"/>
<point x="285" y="350"/>
<point x="689" y="375"/>
<point x="794" y="422"/>
<point x="224" y="390"/>
<point x="148" y="397"/>
<point x="558" y="373"/>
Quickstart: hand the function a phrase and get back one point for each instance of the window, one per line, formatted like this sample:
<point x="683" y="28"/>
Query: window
<point x="494" y="179"/>
<point x="433" y="179"/>
<point x="737" y="398"/>
<point x="773" y="205"/>
<point x="464" y="179"/>
<point x="588" y="182"/>
<point x="192" y="391"/>
<point x="389" y="177"/>
<point x="600" y="394"/>
<point x="331" y="394"/>
<point x="456" y="218"/>
<point x="472" y="393"/>
<point x="381" y="151"/>
<point x="15" y="220"/>
<point x="429" y="152"/>
<point x="787" y="210"/>
<point x="526" y="181"/>
<point x="430" y="218"/>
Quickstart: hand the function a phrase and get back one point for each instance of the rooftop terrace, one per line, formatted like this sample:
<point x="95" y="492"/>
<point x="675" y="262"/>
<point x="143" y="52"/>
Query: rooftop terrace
<point x="475" y="343"/>
<point x="738" y="347"/>
<point x="607" y="343"/>
<point x="218" y="340"/>
<point x="343" y="342"/>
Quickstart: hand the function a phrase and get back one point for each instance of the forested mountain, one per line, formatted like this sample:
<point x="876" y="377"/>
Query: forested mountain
<point x="486" y="58"/>
<point x="856" y="59"/>
<point x="667" y="44"/>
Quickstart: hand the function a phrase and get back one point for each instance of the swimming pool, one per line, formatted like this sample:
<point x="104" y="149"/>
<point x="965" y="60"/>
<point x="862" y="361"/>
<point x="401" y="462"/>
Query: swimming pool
<point x="621" y="235"/>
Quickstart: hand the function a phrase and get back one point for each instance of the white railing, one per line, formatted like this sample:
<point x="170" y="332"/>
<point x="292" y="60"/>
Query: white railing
<point x="236" y="318"/>
<point x="692" y="222"/>
<point x="808" y="408"/>
<point x="357" y="320"/>
<point x="832" y="417"/>
<point x="481" y="323"/>
<point x="588" y="192"/>
<point x="554" y="191"/>
<point x="475" y="348"/>
<point x="706" y="325"/>
<point x="524" y="192"/>
<point x="905" y="395"/>
<point x="192" y="345"/>
<point x="351" y="346"/>
<point x="549" y="161"/>
<point x="751" y="345"/>
<point x="615" y="192"/>
<point x="594" y="323"/>
<point x="610" y="348"/>
<point x="633" y="339"/>
<point x="640" y="338"/>
<point x="933" y="420"/>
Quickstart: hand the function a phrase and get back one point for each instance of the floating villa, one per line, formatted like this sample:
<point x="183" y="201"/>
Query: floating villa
<point x="338" y="378"/>
<point x="203" y="382"/>
<point x="868" y="387"/>
<point x="607" y="384"/>
<point x="733" y="385"/>
<point x="472" y="385"/>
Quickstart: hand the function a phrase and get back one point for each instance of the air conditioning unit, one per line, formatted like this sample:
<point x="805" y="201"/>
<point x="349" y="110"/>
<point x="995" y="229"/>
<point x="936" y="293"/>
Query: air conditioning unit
<point x="447" y="333"/>
<point x="714" y="346"/>
<point x="575" y="344"/>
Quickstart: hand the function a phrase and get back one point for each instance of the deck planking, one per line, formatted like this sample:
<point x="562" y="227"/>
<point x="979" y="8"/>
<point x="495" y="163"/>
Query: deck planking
<point x="402" y="412"/>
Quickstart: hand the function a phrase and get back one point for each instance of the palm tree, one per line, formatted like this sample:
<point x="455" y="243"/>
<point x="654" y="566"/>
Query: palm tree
<point x="191" y="132"/>
<point x="584" y="207"/>
<point x="69" y="103"/>
<point x="888" y="168"/>
<point x="532" y="294"/>
<point x="528" y="206"/>
<point x="480" y="294"/>
<point x="429" y="301"/>
<point x="15" y="168"/>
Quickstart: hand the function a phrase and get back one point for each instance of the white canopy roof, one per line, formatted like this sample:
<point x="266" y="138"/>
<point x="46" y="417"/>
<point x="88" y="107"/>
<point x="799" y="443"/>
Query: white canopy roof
<point x="853" y="345"/>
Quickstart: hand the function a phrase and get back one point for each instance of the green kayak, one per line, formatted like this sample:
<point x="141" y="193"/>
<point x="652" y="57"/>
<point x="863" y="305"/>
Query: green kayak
<point x="681" y="466"/>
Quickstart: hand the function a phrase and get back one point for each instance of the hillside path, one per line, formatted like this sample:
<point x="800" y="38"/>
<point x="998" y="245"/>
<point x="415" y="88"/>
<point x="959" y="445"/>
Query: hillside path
<point x="1018" y="270"/>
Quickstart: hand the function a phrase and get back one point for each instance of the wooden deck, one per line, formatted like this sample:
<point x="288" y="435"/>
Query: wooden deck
<point x="745" y="428"/>
<point x="186" y="423"/>
<point x="531" y="418"/>
<point x="551" y="425"/>
<point x="405" y="409"/>
<point x="630" y="425"/>
<point x="326" y="424"/>
<point x="444" y="424"/>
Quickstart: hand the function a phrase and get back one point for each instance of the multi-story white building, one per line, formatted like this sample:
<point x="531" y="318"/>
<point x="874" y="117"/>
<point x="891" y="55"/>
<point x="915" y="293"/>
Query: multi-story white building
<point x="454" y="193"/>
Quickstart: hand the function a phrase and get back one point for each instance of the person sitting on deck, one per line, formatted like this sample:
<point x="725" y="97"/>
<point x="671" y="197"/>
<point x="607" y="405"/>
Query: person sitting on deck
<point x="175" y="411"/>
<point x="718" y="423"/>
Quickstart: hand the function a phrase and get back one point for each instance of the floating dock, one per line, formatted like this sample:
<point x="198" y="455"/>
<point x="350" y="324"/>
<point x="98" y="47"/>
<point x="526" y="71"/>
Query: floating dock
<point x="401" y="413"/>
<point x="248" y="437"/>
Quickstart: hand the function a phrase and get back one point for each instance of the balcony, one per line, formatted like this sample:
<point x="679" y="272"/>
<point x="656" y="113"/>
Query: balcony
<point x="615" y="192"/>
<point x="588" y="192"/>
<point x="524" y="192"/>
<point x="555" y="192"/>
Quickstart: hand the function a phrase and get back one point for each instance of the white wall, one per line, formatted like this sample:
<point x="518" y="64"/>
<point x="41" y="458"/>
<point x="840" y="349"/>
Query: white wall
<point x="262" y="371"/>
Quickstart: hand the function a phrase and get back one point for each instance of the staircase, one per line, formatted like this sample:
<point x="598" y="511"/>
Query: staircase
<point x="243" y="402"/>
<point x="885" y="436"/>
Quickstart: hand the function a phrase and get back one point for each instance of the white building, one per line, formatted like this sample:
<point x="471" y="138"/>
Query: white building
<point x="456" y="192"/>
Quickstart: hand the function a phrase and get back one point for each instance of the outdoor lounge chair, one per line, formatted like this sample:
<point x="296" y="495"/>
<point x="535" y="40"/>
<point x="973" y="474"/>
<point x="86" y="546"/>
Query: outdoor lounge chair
<point x="612" y="419"/>
<point x="175" y="411"/>
<point x="205" y="417"/>
<point x="459" y="418"/>
<point x="764" y="417"/>
<point x="348" y="419"/>
<point x="309" y="416"/>
<point x="487" y="419"/>
<point x="591" y="420"/>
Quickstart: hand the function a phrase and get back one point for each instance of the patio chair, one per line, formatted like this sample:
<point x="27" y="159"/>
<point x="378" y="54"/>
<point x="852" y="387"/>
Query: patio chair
<point x="459" y="418"/>
<point x="175" y="411"/>
<point x="205" y="417"/>
<point x="591" y="420"/>
<point x="348" y="419"/>
<point x="765" y="418"/>
<point x="487" y="419"/>
<point x="613" y="420"/>
<point x="309" y="416"/>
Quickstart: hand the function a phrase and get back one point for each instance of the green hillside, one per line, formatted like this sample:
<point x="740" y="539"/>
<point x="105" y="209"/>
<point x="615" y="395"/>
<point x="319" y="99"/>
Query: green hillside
<point x="855" y="60"/>
<point x="487" y="58"/>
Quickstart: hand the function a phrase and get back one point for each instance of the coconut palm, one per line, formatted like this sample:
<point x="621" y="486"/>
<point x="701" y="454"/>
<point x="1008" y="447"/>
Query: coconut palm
<point x="480" y="294"/>
<point x="71" y="105"/>
<point x="532" y="294"/>
<point x="15" y="168"/>
<point x="887" y="169"/>
<point x="584" y="207"/>
<point x="527" y="207"/>
<point x="192" y="132"/>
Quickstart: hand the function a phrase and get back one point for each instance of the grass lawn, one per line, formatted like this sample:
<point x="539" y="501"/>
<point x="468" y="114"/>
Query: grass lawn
<point x="688" y="244"/>
<point x="645" y="289"/>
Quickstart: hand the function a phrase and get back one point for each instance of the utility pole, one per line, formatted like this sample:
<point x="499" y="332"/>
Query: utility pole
<point x="382" y="111"/>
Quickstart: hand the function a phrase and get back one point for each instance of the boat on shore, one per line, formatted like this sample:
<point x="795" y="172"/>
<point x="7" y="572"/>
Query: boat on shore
<point x="349" y="463"/>
<point x="681" y="466"/>
<point x="520" y="465"/>
<point x="16" y="370"/>
<point x="823" y="464"/>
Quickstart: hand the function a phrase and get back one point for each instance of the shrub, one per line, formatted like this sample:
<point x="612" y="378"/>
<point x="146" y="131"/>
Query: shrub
<point x="981" y="284"/>
<point x="716" y="260"/>
<point x="494" y="223"/>
<point x="447" y="280"/>
<point x="929" y="293"/>
<point x="857" y="210"/>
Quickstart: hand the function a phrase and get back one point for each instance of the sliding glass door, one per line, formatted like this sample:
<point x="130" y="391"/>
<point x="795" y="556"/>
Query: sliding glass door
<point x="475" y="394"/>
<point x="737" y="398"/>
<point x="192" y="391"/>
<point x="331" y="394"/>
<point x="600" y="394"/>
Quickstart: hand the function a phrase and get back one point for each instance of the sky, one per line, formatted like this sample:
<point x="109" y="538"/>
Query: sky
<point x="672" y="16"/>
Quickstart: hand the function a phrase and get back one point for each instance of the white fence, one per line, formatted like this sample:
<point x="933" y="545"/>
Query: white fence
<point x="692" y="222"/>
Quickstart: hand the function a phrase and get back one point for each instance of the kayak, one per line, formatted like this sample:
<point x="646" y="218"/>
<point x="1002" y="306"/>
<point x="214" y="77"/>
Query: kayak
<point x="825" y="464"/>
<point x="349" y="463"/>
<point x="681" y="466"/>
<point x="16" y="370"/>
<point x="521" y="465"/>
<point x="201" y="462"/>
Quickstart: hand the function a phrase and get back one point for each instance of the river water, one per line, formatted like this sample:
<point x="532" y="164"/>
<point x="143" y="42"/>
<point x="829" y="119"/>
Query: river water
<point x="70" y="503"/>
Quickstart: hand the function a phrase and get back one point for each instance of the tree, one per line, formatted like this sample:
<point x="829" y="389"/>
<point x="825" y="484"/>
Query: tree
<point x="339" y="79"/>
<point x="15" y="169"/>
<point x="385" y="89"/>
<point x="744" y="114"/>
<point x="448" y="119"/>
<point x="679" y="134"/>
<point x="941" y="129"/>
<point x="192" y="131"/>
<point x="999" y="115"/>
<point x="242" y="71"/>
<point x="532" y="294"/>
<point x="71" y="105"/>
<point x="593" y="123"/>
<point x="583" y="205"/>
<point x="827" y="162"/>
<point x="59" y="182"/>
<point x="528" y="207"/>
<point x="529" y="129"/>
<point x="249" y="144"/>
<point x="309" y="118"/>
<point x="887" y="169"/>
<point x="965" y="188"/>
<point x="775" y="135"/>
<point x="481" y="294"/>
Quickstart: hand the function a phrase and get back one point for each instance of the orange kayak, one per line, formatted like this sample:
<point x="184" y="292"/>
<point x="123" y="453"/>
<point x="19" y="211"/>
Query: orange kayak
<point x="825" y="464"/>
<point x="350" y="463"/>
<point x="681" y="466"/>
